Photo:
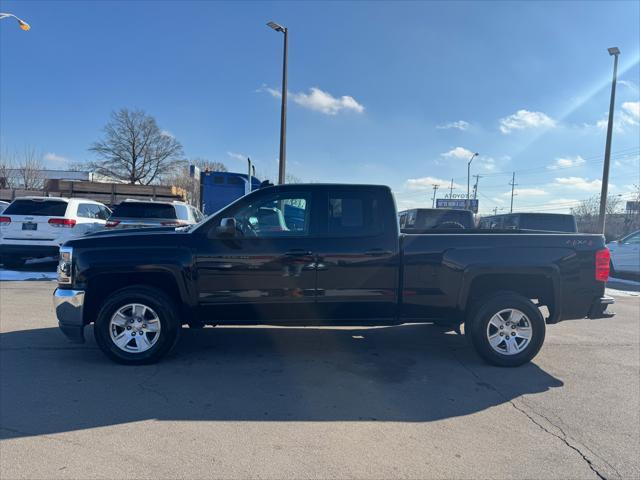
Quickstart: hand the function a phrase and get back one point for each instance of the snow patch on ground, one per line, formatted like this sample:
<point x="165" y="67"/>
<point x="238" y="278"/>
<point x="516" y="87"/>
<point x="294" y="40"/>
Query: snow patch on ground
<point x="621" y="293"/>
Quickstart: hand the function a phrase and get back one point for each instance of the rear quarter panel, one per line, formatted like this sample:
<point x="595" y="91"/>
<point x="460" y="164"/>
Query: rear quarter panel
<point x="441" y="270"/>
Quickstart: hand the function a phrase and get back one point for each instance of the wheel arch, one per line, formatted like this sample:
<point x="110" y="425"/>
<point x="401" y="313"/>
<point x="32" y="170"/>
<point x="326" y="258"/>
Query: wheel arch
<point x="101" y="286"/>
<point x="541" y="283"/>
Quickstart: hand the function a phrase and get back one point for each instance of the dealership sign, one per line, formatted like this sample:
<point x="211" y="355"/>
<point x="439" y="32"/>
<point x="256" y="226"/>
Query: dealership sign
<point x="458" y="203"/>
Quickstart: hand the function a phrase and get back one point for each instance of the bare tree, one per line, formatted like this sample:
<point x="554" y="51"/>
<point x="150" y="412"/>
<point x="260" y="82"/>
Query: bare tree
<point x="21" y="169"/>
<point x="29" y="170"/>
<point x="135" y="150"/>
<point x="209" y="166"/>
<point x="7" y="164"/>
<point x="591" y="206"/>
<point x="588" y="211"/>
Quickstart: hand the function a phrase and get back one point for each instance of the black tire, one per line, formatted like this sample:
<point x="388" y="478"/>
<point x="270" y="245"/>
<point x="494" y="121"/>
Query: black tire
<point x="12" y="262"/>
<point x="477" y="325"/>
<point x="158" y="301"/>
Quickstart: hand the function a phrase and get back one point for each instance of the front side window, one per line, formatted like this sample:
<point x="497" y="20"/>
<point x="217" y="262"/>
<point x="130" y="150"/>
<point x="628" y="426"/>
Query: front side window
<point x="274" y="216"/>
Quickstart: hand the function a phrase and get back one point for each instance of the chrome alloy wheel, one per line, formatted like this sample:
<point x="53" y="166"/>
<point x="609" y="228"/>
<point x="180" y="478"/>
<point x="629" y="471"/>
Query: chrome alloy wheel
<point x="134" y="328"/>
<point x="509" y="331"/>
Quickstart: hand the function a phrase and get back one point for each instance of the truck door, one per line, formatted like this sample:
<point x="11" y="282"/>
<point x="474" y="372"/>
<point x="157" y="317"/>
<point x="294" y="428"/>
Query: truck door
<point x="357" y="256"/>
<point x="266" y="271"/>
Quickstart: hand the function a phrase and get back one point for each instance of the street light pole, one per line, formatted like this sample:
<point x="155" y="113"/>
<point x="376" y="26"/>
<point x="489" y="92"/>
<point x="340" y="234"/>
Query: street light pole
<point x="614" y="51"/>
<point x="23" y="25"/>
<point x="468" y="177"/>
<point x="283" y="108"/>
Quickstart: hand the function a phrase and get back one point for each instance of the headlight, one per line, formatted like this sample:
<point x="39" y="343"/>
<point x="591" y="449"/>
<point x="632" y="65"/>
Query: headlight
<point x="65" y="265"/>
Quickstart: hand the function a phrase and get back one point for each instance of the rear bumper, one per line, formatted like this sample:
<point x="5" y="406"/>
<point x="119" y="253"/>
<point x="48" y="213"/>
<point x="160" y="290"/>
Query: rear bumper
<point x="28" y="251"/>
<point x="599" y="308"/>
<point x="69" y="305"/>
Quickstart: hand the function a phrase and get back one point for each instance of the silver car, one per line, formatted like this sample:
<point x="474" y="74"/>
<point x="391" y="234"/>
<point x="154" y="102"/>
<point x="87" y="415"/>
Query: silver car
<point x="625" y="254"/>
<point x="147" y="213"/>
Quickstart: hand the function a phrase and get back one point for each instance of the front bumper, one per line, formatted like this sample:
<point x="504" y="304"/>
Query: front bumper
<point x="69" y="306"/>
<point x="599" y="308"/>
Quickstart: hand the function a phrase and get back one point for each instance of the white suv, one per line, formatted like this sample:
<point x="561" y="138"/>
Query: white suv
<point x="35" y="227"/>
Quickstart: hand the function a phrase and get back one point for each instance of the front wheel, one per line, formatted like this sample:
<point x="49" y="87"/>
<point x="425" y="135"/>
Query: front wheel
<point x="507" y="330"/>
<point x="137" y="325"/>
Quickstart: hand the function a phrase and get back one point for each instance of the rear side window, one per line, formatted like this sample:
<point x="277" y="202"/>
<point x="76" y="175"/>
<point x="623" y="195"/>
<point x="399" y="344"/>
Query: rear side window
<point x="182" y="212"/>
<point x="89" y="210"/>
<point x="354" y="214"/>
<point x="144" y="210"/>
<point x="45" y="208"/>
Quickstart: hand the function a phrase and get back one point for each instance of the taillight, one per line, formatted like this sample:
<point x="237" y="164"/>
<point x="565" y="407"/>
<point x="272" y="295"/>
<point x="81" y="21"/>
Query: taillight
<point x="62" y="222"/>
<point x="112" y="223"/>
<point x="603" y="261"/>
<point x="5" y="221"/>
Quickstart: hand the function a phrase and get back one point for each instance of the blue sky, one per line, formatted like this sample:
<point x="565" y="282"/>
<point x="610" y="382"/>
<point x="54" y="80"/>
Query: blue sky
<point x="380" y="92"/>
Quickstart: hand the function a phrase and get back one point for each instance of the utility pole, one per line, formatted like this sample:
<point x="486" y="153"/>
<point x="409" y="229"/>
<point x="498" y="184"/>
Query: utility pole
<point x="607" y="149"/>
<point x="468" y="178"/>
<point x="513" y="184"/>
<point x="451" y="189"/>
<point x="475" y="186"/>
<point x="495" y="210"/>
<point x="435" y="189"/>
<point x="283" y="107"/>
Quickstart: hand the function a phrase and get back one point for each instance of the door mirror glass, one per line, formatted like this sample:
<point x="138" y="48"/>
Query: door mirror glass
<point x="227" y="227"/>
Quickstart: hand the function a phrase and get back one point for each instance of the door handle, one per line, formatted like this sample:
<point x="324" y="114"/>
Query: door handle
<point x="377" y="252"/>
<point x="298" y="253"/>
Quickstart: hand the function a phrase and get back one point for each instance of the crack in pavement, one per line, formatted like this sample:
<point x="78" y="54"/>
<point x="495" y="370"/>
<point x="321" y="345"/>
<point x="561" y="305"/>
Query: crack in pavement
<point x="563" y="439"/>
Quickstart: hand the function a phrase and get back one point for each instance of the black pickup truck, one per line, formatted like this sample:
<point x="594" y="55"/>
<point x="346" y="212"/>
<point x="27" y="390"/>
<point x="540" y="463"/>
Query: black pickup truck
<point x="325" y="255"/>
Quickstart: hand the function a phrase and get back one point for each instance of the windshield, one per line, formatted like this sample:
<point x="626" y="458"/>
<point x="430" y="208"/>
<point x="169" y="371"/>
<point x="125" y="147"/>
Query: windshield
<point x="44" y="208"/>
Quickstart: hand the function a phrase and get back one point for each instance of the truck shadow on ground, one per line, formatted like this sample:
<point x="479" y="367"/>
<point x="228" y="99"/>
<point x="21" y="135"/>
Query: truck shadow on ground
<point x="411" y="373"/>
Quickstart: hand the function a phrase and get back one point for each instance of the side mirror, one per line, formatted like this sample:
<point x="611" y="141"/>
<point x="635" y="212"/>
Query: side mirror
<point x="227" y="227"/>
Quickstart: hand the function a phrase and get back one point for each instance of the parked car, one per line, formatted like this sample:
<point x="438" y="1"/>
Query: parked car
<point x="35" y="227"/>
<point x="3" y="206"/>
<point x="625" y="254"/>
<point x="418" y="219"/>
<point x="148" y="213"/>
<point x="345" y="263"/>
<point x="550" y="222"/>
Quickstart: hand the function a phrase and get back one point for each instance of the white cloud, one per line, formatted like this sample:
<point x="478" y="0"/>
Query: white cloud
<point x="326" y="103"/>
<point x="523" y="119"/>
<point x="237" y="156"/>
<point x="633" y="109"/>
<point x="629" y="84"/>
<point x="458" y="152"/>
<point x="566" y="162"/>
<point x="53" y="160"/>
<point x="319" y="100"/>
<point x="426" y="183"/>
<point x="526" y="192"/>
<point x="459" y="125"/>
<point x="629" y="116"/>
<point x="487" y="163"/>
<point x="579" y="183"/>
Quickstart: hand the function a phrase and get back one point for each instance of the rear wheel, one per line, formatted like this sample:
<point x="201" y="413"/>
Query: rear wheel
<point x="137" y="325"/>
<point x="507" y="330"/>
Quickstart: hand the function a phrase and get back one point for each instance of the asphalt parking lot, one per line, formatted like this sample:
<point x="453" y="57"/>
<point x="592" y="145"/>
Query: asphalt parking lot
<point x="402" y="402"/>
